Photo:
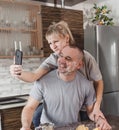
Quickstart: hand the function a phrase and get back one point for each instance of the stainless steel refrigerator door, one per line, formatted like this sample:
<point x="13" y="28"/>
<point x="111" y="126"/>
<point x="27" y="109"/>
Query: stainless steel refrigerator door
<point x="110" y="104"/>
<point x="107" y="38"/>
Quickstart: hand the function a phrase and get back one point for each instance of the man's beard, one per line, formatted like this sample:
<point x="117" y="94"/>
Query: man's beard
<point x="65" y="70"/>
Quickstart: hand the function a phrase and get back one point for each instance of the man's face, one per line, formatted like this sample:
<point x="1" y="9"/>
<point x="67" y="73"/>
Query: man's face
<point x="68" y="60"/>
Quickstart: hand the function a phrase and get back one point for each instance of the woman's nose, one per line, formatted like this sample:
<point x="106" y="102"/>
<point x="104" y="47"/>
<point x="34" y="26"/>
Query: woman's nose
<point x="53" y="45"/>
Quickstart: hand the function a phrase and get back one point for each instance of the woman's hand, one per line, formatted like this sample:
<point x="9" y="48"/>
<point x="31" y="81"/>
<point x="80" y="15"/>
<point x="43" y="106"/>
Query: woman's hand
<point x="15" y="70"/>
<point x="96" y="112"/>
<point x="102" y="124"/>
<point x="97" y="116"/>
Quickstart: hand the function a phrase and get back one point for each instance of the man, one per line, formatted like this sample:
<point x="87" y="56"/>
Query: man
<point x="63" y="92"/>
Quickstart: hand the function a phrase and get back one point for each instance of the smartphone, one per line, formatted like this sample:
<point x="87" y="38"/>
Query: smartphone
<point x="18" y="57"/>
<point x="18" y="53"/>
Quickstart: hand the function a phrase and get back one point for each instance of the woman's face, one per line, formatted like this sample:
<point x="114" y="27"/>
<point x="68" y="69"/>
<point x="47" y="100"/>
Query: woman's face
<point x="57" y="42"/>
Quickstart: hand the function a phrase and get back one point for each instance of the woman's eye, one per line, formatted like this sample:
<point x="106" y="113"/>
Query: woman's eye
<point x="60" y="55"/>
<point x="49" y="43"/>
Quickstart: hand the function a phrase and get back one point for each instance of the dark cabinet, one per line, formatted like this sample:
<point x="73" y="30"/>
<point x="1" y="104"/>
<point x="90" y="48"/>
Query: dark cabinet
<point x="11" y="118"/>
<point x="74" y="18"/>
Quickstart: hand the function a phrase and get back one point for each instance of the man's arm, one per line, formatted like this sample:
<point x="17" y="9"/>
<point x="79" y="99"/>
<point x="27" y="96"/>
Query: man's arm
<point x="27" y="113"/>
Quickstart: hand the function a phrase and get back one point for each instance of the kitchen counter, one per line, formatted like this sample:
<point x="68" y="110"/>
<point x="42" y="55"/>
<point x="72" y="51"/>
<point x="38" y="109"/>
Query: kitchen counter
<point x="18" y="101"/>
<point x="10" y="112"/>
<point x="113" y="121"/>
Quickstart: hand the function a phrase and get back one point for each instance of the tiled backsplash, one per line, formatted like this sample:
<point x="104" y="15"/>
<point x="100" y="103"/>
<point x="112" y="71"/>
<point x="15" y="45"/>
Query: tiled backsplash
<point x="10" y="86"/>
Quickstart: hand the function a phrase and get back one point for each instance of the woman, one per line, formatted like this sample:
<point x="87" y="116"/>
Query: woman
<point x="58" y="36"/>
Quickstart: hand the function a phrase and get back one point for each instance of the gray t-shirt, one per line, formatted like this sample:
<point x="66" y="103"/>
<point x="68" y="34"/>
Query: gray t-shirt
<point x="90" y="69"/>
<point x="62" y="100"/>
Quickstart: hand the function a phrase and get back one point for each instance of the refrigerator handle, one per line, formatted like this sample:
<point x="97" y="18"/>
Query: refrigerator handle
<point x="97" y="44"/>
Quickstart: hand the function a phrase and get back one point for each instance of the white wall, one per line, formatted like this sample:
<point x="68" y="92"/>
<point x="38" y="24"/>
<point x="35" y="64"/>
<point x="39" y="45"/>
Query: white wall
<point x="10" y="86"/>
<point x="111" y="4"/>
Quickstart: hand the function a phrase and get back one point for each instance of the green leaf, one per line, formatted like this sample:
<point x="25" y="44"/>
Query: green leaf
<point x="101" y="14"/>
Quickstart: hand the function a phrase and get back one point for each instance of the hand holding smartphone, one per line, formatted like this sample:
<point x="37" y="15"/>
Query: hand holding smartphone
<point x="18" y="54"/>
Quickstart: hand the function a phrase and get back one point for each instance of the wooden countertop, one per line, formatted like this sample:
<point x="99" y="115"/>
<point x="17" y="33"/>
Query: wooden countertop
<point x="113" y="121"/>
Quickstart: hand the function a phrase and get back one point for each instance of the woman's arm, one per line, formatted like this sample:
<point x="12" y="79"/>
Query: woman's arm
<point x="99" y="93"/>
<point x="101" y="122"/>
<point x="27" y="76"/>
<point x="93" y="73"/>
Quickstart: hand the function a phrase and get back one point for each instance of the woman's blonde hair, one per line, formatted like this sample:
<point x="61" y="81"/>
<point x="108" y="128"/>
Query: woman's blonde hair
<point x="60" y="28"/>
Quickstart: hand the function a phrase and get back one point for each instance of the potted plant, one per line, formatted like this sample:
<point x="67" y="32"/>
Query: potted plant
<point x="101" y="16"/>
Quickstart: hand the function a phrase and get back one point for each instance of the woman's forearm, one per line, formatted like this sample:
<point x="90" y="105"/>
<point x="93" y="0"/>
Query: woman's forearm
<point x="99" y="92"/>
<point x="28" y="76"/>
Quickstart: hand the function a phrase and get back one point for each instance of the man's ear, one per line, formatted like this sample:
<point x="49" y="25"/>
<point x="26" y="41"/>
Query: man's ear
<point x="81" y="63"/>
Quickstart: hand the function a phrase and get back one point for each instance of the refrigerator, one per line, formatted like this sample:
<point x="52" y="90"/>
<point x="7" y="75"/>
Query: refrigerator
<point x="107" y="55"/>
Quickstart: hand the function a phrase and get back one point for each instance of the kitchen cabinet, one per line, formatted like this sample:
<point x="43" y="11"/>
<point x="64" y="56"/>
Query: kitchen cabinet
<point x="20" y="22"/>
<point x="11" y="118"/>
<point x="10" y="113"/>
<point x="74" y="18"/>
<point x="27" y="22"/>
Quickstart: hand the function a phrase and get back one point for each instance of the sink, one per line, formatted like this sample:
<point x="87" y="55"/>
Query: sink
<point x="11" y="100"/>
